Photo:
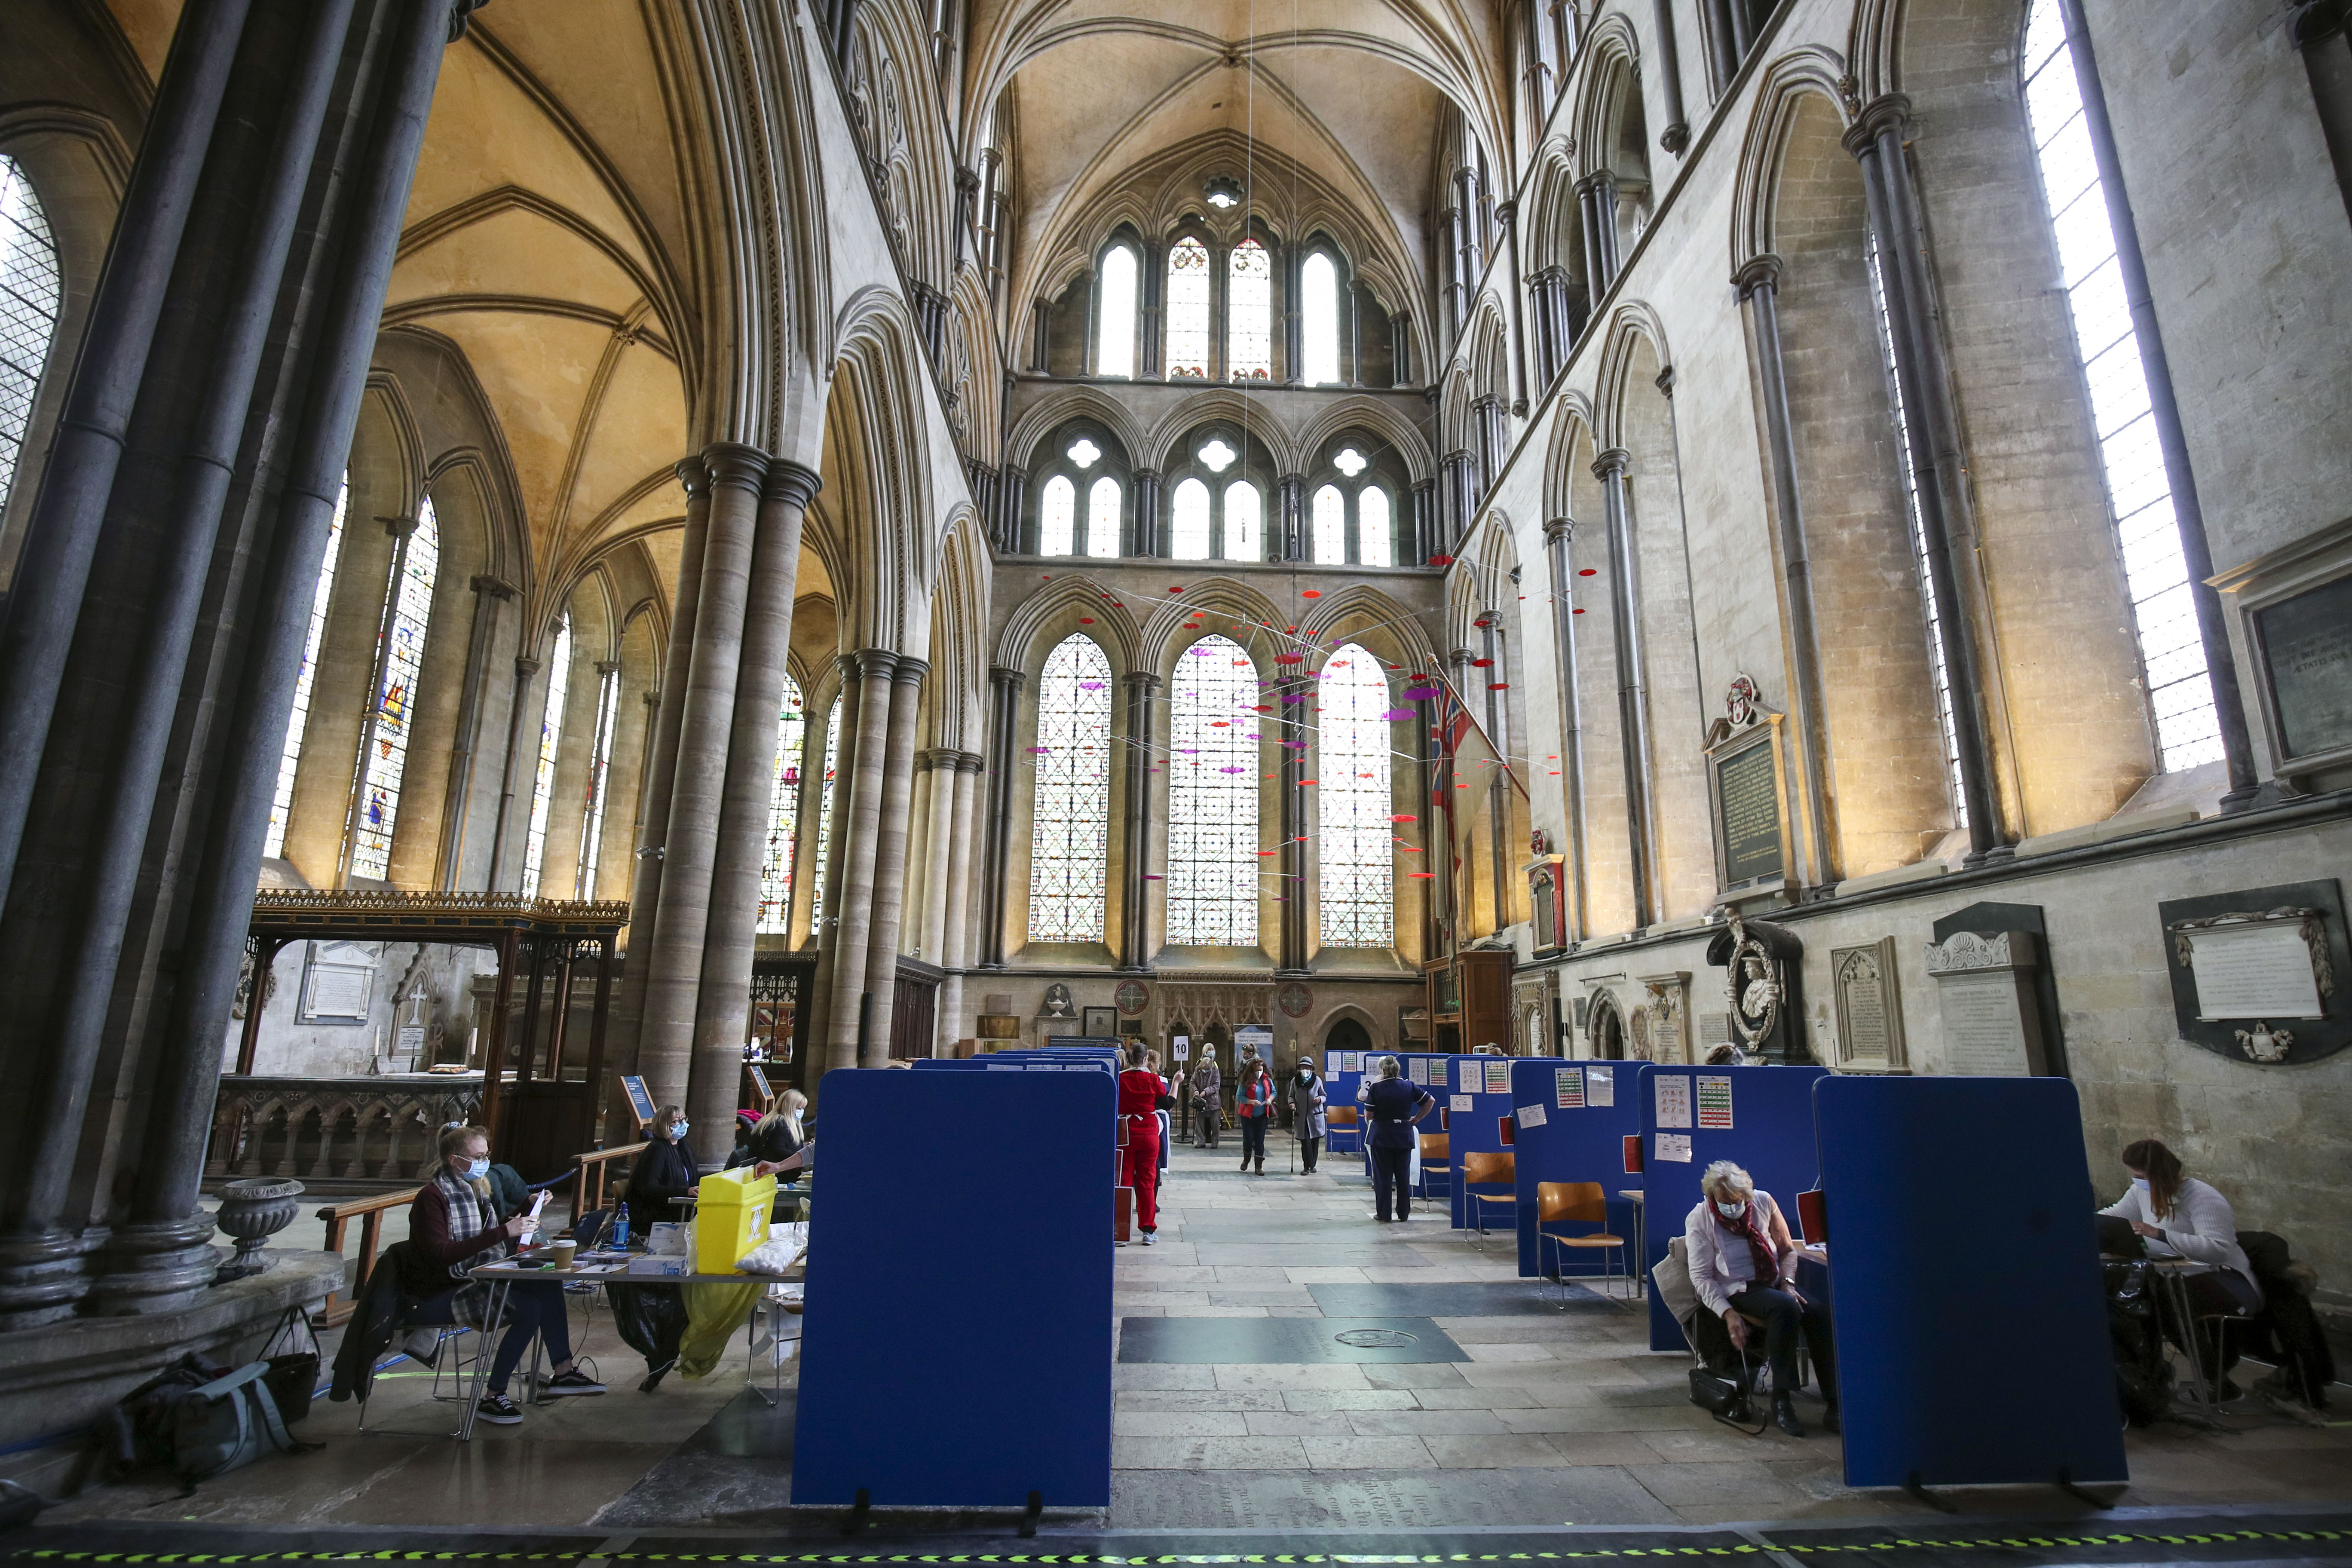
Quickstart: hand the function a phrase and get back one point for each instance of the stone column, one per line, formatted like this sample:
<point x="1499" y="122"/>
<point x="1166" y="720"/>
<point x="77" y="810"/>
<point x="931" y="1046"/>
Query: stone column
<point x="1724" y="52"/>
<point x="1134" y="901"/>
<point x="660" y="782"/>
<point x="1146" y="484"/>
<point x="1013" y="503"/>
<point x="689" y="847"/>
<point x="507" y="835"/>
<point x="1294" y="340"/>
<point x="489" y="593"/>
<point x="1759" y="285"/>
<point x="1290" y="513"/>
<point x="1596" y="197"/>
<point x="1292" y="723"/>
<point x="723" y="1009"/>
<point x="1633" y="696"/>
<point x="1155" y="277"/>
<point x="890" y="858"/>
<point x="1436" y="842"/>
<point x="825" y="922"/>
<point x="857" y="823"/>
<point x="1400" y="350"/>
<point x="1677" y="135"/>
<point x="1559" y="535"/>
<point x="1498" y="792"/>
<point x="1425" y="522"/>
<point x="1876" y="142"/>
<point x="1505" y="212"/>
<point x="1004" y="711"/>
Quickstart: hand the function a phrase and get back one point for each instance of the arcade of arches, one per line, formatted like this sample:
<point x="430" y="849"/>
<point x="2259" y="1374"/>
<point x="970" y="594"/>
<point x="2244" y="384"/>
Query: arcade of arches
<point x="934" y="519"/>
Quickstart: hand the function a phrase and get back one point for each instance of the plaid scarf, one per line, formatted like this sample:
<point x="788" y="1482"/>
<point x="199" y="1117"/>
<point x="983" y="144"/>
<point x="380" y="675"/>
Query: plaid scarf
<point x="470" y="1214"/>
<point x="1760" y="1245"/>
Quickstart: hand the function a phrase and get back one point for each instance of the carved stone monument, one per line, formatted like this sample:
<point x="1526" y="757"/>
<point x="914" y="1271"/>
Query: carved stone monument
<point x="1869" y="1008"/>
<point x="1984" y="986"/>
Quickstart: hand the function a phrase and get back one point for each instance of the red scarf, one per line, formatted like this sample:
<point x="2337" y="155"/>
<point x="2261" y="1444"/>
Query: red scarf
<point x="1760" y="1245"/>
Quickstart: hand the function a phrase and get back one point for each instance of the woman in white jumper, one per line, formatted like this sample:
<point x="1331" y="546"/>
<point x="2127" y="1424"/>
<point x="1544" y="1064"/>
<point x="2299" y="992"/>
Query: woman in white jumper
<point x="2179" y="1216"/>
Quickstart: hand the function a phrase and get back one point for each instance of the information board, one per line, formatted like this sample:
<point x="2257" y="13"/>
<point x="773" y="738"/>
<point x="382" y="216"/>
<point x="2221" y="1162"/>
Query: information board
<point x="1748" y="804"/>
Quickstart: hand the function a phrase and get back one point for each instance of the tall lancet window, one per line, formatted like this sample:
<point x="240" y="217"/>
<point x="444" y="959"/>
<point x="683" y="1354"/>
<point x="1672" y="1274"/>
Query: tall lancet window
<point x="281" y="799"/>
<point x="1318" y="288"/>
<point x="1188" y="308"/>
<point x="1249" y="311"/>
<point x="28" y="312"/>
<point x="1212" y="783"/>
<point x="1115" y="313"/>
<point x="599" y="769"/>
<point x="1188" y="528"/>
<point x="1070" y="825"/>
<point x="1330" y="526"/>
<point x="1057" y="517"/>
<point x="1244" y="523"/>
<point x="824" y="814"/>
<point x="1375" y="530"/>
<point x="551" y="741"/>
<point x="1352" y="787"/>
<point x="1105" y="506"/>
<point x="2171" y="648"/>
<point x="783" y="812"/>
<point x="400" y="659"/>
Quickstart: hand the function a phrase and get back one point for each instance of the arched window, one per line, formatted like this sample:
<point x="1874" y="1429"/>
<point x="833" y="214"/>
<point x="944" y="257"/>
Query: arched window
<point x="1188" y="528"/>
<point x="783" y="812"/>
<point x="1070" y="825"/>
<point x="1058" y="518"/>
<point x="1115" y="313"/>
<point x="407" y="618"/>
<point x="824" y="814"/>
<point x="1351" y="786"/>
<point x="1188" y="308"/>
<point x="551" y="743"/>
<point x="1330" y="526"/>
<point x="1249" y="311"/>
<point x="281" y="799"/>
<point x="1318" y="288"/>
<point x="28" y="312"/>
<point x="1105" y="505"/>
<point x="600" y="767"/>
<point x="1244" y="523"/>
<point x="2171" y="649"/>
<point x="1212" y="783"/>
<point x="1375" y="528"/>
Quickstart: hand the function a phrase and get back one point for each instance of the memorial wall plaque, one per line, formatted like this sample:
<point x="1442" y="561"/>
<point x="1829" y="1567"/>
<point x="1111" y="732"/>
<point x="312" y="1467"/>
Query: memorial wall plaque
<point x="339" y="984"/>
<point x="2256" y="972"/>
<point x="1869" y="1007"/>
<point x="1984" y="990"/>
<point x="2306" y="651"/>
<point x="1747" y="812"/>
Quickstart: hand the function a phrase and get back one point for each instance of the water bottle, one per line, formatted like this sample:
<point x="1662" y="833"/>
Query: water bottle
<point x="619" y="1238"/>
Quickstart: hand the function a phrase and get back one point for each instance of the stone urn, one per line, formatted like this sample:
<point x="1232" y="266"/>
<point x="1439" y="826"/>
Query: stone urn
<point x="251" y="1211"/>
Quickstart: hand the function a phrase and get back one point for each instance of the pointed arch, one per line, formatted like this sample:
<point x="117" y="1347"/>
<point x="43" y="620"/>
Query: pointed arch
<point x="1779" y="94"/>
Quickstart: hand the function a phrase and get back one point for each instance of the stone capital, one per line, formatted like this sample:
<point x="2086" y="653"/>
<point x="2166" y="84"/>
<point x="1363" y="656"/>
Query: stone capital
<point x="1560" y="530"/>
<point x="966" y="180"/>
<point x="694" y="476"/>
<point x="792" y="483"/>
<point x="496" y="587"/>
<point x="525" y="667"/>
<point x="931" y="757"/>
<point x="1665" y="382"/>
<point x="1141" y="680"/>
<point x="1144" y="476"/>
<point x="970" y="763"/>
<point x="1005" y="675"/>
<point x="733" y="463"/>
<point x="875" y="663"/>
<point x="1758" y="272"/>
<point x="607" y="665"/>
<point x="1612" y="463"/>
<point x="398" y="527"/>
<point x="908" y="670"/>
<point x="1890" y="111"/>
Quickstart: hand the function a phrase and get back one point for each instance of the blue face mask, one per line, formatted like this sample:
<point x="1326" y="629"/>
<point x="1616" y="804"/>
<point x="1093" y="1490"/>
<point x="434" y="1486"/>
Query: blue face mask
<point x="1730" y="1211"/>
<point x="2140" y="1181"/>
<point x="678" y="1129"/>
<point x="475" y="1170"/>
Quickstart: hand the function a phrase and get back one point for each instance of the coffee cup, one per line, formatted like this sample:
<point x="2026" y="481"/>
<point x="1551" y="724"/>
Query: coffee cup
<point x="561" y="1253"/>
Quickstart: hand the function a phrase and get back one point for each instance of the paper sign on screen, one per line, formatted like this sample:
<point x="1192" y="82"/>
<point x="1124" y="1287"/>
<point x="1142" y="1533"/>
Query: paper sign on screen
<point x="1715" y="1100"/>
<point x="1531" y="1116"/>
<point x="1599" y="1086"/>
<point x="1568" y="1088"/>
<point x="1463" y="1102"/>
<point x="1674" y="1100"/>
<point x="1674" y="1147"/>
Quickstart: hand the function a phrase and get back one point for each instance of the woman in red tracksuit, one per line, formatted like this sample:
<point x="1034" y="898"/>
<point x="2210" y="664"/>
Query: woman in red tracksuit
<point x="1142" y="1094"/>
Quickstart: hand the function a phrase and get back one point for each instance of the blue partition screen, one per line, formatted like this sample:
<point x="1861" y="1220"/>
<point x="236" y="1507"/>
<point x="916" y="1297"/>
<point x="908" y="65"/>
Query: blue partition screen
<point x="1970" y="1350"/>
<point x="1485" y="1083"/>
<point x="923" y="1430"/>
<point x="1573" y="1121"/>
<point x="1760" y="1119"/>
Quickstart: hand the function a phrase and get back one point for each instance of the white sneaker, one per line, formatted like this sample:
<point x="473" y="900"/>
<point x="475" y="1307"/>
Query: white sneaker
<point x="1150" y="1239"/>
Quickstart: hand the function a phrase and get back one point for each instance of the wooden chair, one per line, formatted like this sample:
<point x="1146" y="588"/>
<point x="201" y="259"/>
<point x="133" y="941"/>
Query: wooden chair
<point x="1436" y="1157"/>
<point x="1337" y="1119"/>
<point x="1575" y="1203"/>
<point x="1487" y="1171"/>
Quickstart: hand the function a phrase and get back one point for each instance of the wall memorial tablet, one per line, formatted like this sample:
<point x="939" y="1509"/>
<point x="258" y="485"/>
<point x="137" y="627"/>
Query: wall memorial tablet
<point x="1748" y="808"/>
<point x="1869" y="1008"/>
<point x="2257" y="974"/>
<point x="1992" y="1027"/>
<point x="2306" y="645"/>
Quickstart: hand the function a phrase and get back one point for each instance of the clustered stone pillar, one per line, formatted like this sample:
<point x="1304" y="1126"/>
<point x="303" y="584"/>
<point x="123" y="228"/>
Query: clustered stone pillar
<point x="824" y="925"/>
<point x="1290" y="513"/>
<point x="1932" y="433"/>
<point x="890" y="837"/>
<point x="955" y="949"/>
<point x="489" y="593"/>
<point x="1759" y="285"/>
<point x="1677" y="135"/>
<point x="1142" y="745"/>
<point x="1005" y="714"/>
<point x="1146" y="511"/>
<point x="1596" y="196"/>
<point x="1633" y="696"/>
<point x="856" y="822"/>
<point x="1294" y="704"/>
<point x="164" y="590"/>
<point x="1498" y="789"/>
<point x="1559" y="535"/>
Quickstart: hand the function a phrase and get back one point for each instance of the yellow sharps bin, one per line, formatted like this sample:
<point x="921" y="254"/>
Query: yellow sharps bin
<point x="730" y="1217"/>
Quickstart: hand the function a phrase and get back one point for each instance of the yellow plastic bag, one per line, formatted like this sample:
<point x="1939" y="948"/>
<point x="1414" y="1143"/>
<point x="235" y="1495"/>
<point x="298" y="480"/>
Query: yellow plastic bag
<point x="713" y="1315"/>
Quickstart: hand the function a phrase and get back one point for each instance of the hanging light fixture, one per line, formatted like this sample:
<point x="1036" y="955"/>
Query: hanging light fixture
<point x="1223" y="192"/>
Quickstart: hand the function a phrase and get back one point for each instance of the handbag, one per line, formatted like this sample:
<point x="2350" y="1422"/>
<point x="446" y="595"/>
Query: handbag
<point x="293" y="1375"/>
<point x="1728" y="1399"/>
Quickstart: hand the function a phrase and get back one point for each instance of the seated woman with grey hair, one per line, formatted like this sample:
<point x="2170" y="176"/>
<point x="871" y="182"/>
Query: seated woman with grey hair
<point x="1743" y="1264"/>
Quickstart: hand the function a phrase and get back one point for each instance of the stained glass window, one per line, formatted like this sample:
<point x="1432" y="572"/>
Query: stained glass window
<point x="1103" y="510"/>
<point x="281" y="799"/>
<point x="551" y="741"/>
<point x="1057" y="517"/>
<point x="1249" y="311"/>
<point x="1070" y="826"/>
<point x="1351" y="786"/>
<point x="825" y="813"/>
<point x="1212" y="782"/>
<point x="2171" y="648"/>
<point x="1244" y="523"/>
<point x="408" y="616"/>
<point x="600" y="767"/>
<point x="1319" y="289"/>
<point x="1188" y="308"/>
<point x="29" y="311"/>
<point x="783" y="812"/>
<point x="1330" y="526"/>
<point x="1375" y="528"/>
<point x="1115" y="313"/>
<point x="1188" y="528"/>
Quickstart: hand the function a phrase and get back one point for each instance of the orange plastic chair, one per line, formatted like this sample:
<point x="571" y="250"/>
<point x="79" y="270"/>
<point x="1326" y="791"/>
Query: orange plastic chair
<point x="1492" y="1170"/>
<point x="1436" y="1157"/>
<point x="1576" y="1203"/>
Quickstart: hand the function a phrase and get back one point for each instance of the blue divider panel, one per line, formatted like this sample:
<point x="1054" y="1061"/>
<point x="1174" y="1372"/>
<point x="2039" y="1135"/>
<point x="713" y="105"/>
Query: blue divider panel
<point x="1431" y="1067"/>
<point x="1770" y="1136"/>
<point x="1487" y="1082"/>
<point x="1339" y="1083"/>
<point x="1973" y="1353"/>
<point x="1580" y="1141"/>
<point x="1030" y="1409"/>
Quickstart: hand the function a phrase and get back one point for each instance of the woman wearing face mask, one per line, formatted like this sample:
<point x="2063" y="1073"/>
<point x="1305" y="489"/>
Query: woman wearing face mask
<point x="452" y="1229"/>
<point x="664" y="1171"/>
<point x="1253" y="1108"/>
<point x="1743" y="1264"/>
<point x="2179" y="1216"/>
<point x="1306" y="1091"/>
